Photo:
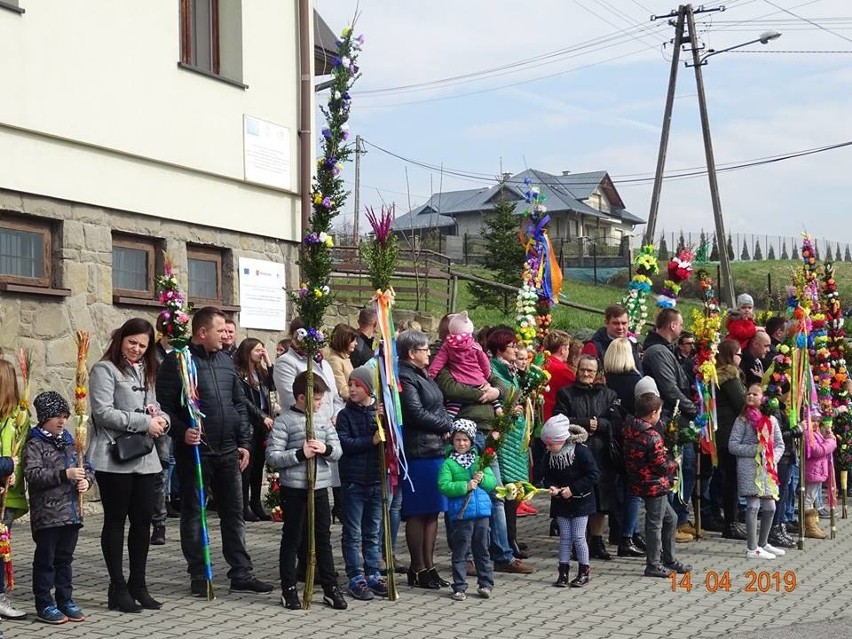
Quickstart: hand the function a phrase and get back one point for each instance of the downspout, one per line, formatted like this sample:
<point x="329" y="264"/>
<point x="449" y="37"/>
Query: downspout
<point x="306" y="91"/>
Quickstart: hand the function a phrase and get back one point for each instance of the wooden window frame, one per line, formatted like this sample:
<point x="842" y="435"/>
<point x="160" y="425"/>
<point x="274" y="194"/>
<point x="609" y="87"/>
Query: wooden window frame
<point x="150" y="247"/>
<point x="187" y="27"/>
<point x="206" y="254"/>
<point x="33" y="225"/>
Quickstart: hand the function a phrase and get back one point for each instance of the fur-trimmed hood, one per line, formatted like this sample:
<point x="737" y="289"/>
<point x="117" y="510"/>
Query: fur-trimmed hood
<point x="728" y="372"/>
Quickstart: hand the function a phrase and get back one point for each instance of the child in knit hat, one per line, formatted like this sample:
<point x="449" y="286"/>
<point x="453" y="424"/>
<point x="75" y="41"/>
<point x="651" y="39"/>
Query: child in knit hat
<point x="469" y="510"/>
<point x="570" y="473"/>
<point x="740" y="321"/>
<point x="55" y="481"/>
<point x="467" y="362"/>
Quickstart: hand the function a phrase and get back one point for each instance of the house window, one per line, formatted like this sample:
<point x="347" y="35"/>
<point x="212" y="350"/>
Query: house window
<point x="25" y="251"/>
<point x="211" y="37"/>
<point x="204" y="267"/>
<point x="133" y="266"/>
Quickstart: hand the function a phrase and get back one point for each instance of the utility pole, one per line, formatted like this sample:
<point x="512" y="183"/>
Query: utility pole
<point x="726" y="292"/>
<point x="357" y="193"/>
<point x="651" y="227"/>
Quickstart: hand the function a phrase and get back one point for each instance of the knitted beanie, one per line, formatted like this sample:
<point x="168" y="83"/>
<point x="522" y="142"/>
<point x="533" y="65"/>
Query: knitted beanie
<point x="50" y="404"/>
<point x="464" y="426"/>
<point x="744" y="299"/>
<point x="364" y="376"/>
<point x="645" y="385"/>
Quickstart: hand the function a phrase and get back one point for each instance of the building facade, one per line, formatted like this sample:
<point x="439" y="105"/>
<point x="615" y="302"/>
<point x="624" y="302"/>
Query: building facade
<point x="134" y="129"/>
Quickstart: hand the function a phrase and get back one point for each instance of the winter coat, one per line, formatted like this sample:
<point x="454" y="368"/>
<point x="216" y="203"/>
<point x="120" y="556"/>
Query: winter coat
<point x="424" y="420"/>
<point x="753" y="368"/>
<point x="512" y="456"/>
<point x="661" y="364"/>
<point x="258" y="403"/>
<point x="452" y="482"/>
<point x="623" y="384"/>
<point x="650" y="467"/>
<point x="53" y="498"/>
<point x="580" y="476"/>
<point x="363" y="350"/>
<point x="730" y="400"/>
<point x="356" y="426"/>
<point x="740" y="328"/>
<point x="341" y="367"/>
<point x="284" y="450"/>
<point x="560" y="376"/>
<point x="580" y="404"/>
<point x="16" y="497"/>
<point x="818" y="451"/>
<point x="222" y="402"/>
<point x="290" y="364"/>
<point x="468" y="397"/>
<point x="600" y="341"/>
<point x="118" y="400"/>
<point x="753" y="480"/>
<point x="466" y="360"/>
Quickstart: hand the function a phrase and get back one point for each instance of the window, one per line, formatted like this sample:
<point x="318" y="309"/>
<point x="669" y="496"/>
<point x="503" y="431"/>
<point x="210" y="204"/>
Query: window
<point x="25" y="250"/>
<point x="204" y="267"/>
<point x="133" y="265"/>
<point x="211" y="38"/>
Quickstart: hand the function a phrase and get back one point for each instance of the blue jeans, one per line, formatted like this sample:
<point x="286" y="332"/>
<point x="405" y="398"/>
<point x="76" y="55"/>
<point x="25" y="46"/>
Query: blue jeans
<point x="52" y="559"/>
<point x="501" y="551"/>
<point x="471" y="536"/>
<point x="628" y="505"/>
<point x="688" y="471"/>
<point x="395" y="508"/>
<point x="790" y="506"/>
<point x="362" y="526"/>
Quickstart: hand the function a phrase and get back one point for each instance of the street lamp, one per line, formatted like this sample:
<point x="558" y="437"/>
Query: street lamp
<point x="764" y="38"/>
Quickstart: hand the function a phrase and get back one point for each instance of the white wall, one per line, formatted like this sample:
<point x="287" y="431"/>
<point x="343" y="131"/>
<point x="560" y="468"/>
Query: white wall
<point x="96" y="110"/>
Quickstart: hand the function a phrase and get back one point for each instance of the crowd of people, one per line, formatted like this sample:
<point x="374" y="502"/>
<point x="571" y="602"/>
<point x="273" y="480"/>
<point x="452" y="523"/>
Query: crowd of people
<point x="598" y="451"/>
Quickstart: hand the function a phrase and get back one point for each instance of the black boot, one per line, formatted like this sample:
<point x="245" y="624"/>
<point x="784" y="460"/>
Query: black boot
<point x="777" y="537"/>
<point x="248" y="515"/>
<point x="442" y="583"/>
<point x="140" y="594"/>
<point x="628" y="549"/>
<point x="639" y="542"/>
<point x="734" y="531"/>
<point x="562" y="579"/>
<point x="582" y="577"/>
<point x="118" y="598"/>
<point x="158" y="536"/>
<point x="597" y="549"/>
<point x="259" y="512"/>
<point x="517" y="552"/>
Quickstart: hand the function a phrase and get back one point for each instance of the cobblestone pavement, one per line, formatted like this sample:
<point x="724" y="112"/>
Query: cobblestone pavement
<point x="618" y="602"/>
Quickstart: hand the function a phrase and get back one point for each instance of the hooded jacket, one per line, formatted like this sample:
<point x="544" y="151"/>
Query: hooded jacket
<point x="452" y="482"/>
<point x="284" y="450"/>
<point x="818" y="451"/>
<point x="650" y="467"/>
<point x="580" y="475"/>
<point x="730" y="401"/>
<point x="356" y="426"/>
<point x="661" y="364"/>
<point x="753" y="479"/>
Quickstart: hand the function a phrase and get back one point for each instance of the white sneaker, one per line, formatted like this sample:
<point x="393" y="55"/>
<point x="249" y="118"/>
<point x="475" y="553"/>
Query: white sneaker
<point x="778" y="552"/>
<point x="759" y="553"/>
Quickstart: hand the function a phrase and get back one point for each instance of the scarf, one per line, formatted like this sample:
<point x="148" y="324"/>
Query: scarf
<point x="57" y="440"/>
<point x="465" y="460"/>
<point x="765" y="457"/>
<point x="564" y="458"/>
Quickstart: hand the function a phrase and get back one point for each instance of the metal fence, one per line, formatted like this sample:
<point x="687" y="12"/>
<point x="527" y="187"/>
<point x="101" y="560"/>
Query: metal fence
<point x="751" y="246"/>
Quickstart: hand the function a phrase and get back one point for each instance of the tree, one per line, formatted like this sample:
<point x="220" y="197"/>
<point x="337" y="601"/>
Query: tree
<point x="771" y="254"/>
<point x="714" y="251"/>
<point x="784" y="254"/>
<point x="503" y="257"/>
<point x="758" y="254"/>
<point x="663" y="250"/>
<point x="730" y="248"/>
<point x="795" y="250"/>
<point x="847" y="257"/>
<point x="827" y="253"/>
<point x="701" y="253"/>
<point x="837" y="256"/>
<point x="744" y="255"/>
<point x="681" y="242"/>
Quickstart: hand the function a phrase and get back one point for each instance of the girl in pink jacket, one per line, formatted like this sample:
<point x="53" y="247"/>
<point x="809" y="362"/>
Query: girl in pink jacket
<point x="819" y="447"/>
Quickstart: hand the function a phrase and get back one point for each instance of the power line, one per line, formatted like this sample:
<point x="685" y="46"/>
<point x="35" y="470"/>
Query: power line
<point x="809" y="21"/>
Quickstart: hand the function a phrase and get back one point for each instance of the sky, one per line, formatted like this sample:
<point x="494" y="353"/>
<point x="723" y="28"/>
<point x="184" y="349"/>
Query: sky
<point x="592" y="98"/>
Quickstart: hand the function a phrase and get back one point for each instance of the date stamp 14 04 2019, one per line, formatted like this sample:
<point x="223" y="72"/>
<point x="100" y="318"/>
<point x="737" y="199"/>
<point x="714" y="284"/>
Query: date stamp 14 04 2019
<point x="756" y="581"/>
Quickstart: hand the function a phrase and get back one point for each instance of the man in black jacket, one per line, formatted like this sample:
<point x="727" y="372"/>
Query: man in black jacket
<point x="660" y="362"/>
<point x="225" y="446"/>
<point x="367" y="323"/>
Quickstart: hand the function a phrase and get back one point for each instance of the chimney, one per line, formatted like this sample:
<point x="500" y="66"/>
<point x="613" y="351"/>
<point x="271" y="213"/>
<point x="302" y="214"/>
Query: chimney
<point x="506" y="177"/>
<point x="566" y="173"/>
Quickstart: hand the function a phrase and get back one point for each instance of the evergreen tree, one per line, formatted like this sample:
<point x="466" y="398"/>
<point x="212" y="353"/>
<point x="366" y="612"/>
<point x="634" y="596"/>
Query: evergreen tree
<point x="663" y="250"/>
<point x="681" y="242"/>
<point x="795" y="250"/>
<point x="701" y="253"/>
<point x="714" y="251"/>
<point x="784" y="254"/>
<point x="503" y="257"/>
<point x="730" y="248"/>
<point x="847" y="257"/>
<point x="758" y="254"/>
<point x="827" y="253"/>
<point x="837" y="256"/>
<point x="771" y="254"/>
<point x="744" y="255"/>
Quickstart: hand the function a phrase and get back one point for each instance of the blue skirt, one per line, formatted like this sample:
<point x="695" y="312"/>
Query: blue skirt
<point x="425" y="498"/>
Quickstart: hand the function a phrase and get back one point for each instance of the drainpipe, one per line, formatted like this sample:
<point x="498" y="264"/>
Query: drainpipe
<point x="306" y="91"/>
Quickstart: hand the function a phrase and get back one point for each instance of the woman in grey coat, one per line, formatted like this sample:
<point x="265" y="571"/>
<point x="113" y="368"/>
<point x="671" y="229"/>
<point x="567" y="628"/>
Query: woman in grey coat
<point x="123" y="401"/>
<point x="757" y="444"/>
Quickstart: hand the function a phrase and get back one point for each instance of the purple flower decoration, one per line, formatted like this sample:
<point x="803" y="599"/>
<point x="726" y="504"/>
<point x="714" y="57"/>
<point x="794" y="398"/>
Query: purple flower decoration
<point x="326" y="202"/>
<point x="312" y="238"/>
<point x="326" y="133"/>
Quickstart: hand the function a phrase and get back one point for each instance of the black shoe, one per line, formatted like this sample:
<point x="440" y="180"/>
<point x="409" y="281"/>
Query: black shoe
<point x="198" y="587"/>
<point x="158" y="536"/>
<point x="639" y="542"/>
<point x="251" y="585"/>
<point x="777" y="537"/>
<point x="657" y="571"/>
<point x="260" y="513"/>
<point x="734" y="531"/>
<point x="582" y="577"/>
<point x="522" y="546"/>
<point x="290" y="598"/>
<point x="791" y="527"/>
<point x="145" y="600"/>
<point x="678" y="567"/>
<point x="628" y="549"/>
<point x="332" y="596"/>
<point x="518" y="552"/>
<point x="173" y="509"/>
<point x="598" y="549"/>
<point x="423" y="579"/>
<point x="248" y="515"/>
<point x="713" y="524"/>
<point x="118" y="598"/>
<point x="442" y="583"/>
<point x="562" y="580"/>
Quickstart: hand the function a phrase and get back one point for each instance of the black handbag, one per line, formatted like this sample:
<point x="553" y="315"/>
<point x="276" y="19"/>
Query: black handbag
<point x="125" y="448"/>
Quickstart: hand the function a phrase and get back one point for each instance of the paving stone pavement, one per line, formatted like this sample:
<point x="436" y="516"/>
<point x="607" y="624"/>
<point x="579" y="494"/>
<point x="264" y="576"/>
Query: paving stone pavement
<point x="618" y="602"/>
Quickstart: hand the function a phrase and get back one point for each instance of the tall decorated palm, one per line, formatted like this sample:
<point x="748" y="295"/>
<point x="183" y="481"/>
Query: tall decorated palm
<point x="327" y="198"/>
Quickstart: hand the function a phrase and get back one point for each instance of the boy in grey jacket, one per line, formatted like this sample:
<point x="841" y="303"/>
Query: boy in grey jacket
<point x="288" y="452"/>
